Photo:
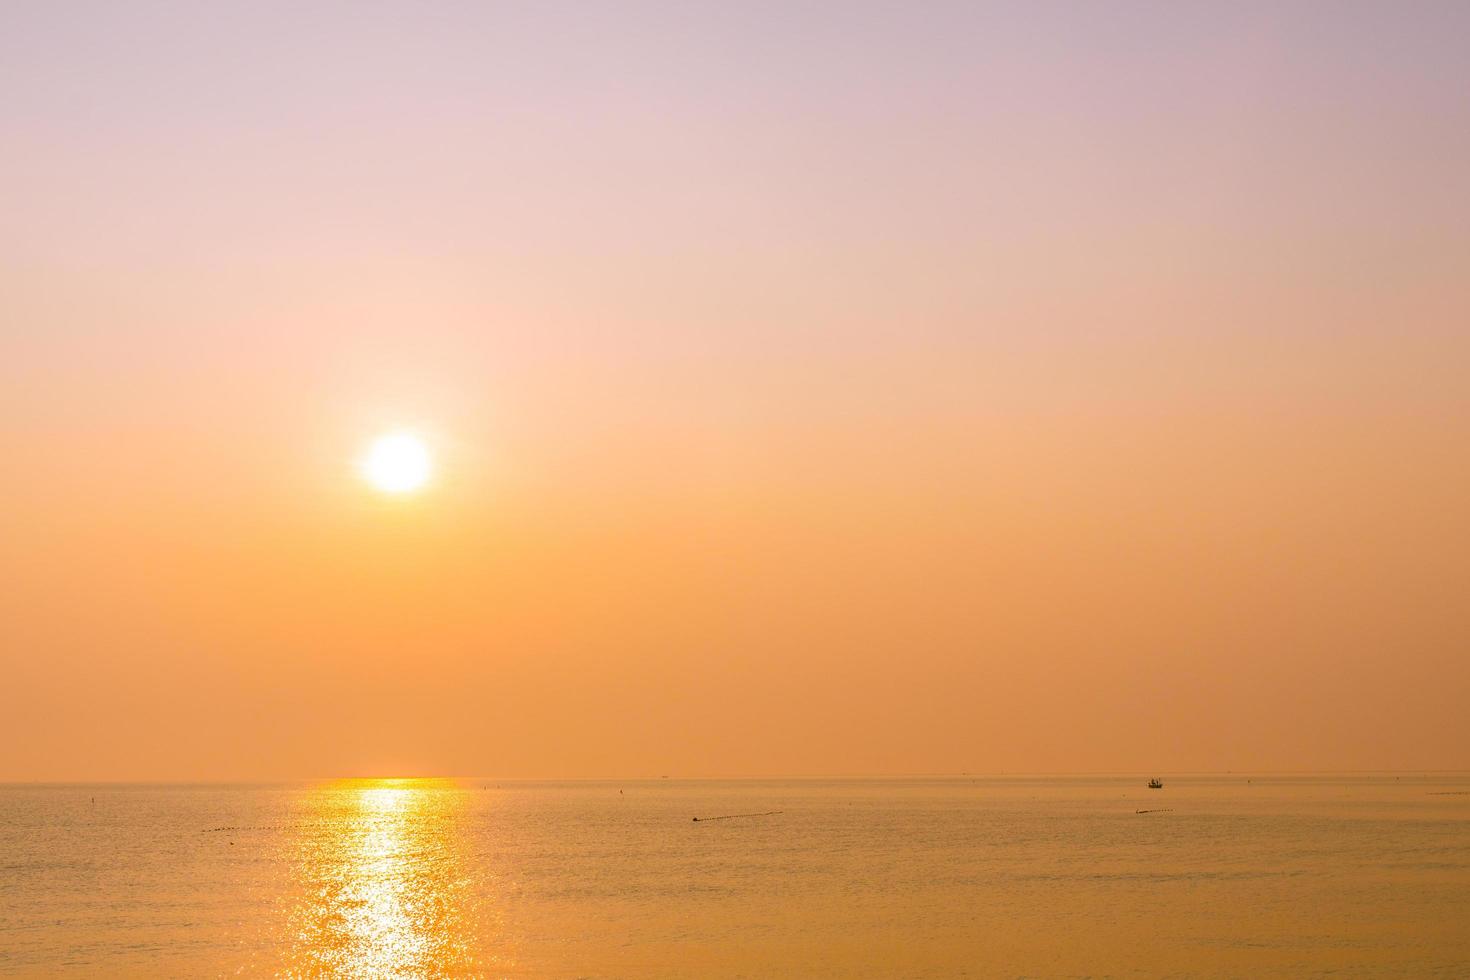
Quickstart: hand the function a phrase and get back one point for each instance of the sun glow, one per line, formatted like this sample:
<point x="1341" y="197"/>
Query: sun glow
<point x="397" y="462"/>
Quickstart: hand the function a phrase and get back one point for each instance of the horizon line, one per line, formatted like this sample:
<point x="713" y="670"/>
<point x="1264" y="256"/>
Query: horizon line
<point x="794" y="777"/>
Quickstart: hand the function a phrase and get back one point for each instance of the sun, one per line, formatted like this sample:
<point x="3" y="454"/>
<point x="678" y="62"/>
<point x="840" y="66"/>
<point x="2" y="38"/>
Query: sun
<point x="397" y="462"/>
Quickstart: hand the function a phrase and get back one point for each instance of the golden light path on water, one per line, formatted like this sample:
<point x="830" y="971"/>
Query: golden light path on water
<point x="384" y="887"/>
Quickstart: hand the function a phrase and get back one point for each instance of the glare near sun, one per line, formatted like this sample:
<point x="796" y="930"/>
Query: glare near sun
<point x="397" y="462"/>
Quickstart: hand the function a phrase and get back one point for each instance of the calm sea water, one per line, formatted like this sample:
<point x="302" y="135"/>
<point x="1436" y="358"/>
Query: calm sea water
<point x="1252" y="876"/>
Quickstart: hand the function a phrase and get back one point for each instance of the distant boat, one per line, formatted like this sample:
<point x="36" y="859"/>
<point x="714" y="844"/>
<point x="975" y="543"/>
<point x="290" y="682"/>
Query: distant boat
<point x="1155" y="784"/>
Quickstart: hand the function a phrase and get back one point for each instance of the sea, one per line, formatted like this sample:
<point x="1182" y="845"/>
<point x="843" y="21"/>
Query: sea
<point x="1226" y="875"/>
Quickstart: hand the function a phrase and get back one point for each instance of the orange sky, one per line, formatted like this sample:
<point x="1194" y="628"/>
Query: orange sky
<point x="812" y="389"/>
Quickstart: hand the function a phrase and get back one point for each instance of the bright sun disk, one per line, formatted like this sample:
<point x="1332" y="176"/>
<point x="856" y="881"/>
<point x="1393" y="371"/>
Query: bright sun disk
<point x="397" y="463"/>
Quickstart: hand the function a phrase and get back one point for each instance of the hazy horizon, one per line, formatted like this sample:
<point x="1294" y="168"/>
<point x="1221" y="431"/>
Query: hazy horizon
<point x="1006" y="387"/>
<point x="855" y="777"/>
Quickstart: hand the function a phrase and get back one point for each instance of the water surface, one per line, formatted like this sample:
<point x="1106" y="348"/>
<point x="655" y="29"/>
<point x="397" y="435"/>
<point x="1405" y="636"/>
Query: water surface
<point x="1243" y="875"/>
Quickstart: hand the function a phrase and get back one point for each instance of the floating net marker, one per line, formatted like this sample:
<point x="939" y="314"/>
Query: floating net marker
<point x="733" y="816"/>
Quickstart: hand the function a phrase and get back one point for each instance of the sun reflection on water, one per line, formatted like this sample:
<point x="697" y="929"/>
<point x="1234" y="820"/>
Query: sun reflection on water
<point x="384" y="888"/>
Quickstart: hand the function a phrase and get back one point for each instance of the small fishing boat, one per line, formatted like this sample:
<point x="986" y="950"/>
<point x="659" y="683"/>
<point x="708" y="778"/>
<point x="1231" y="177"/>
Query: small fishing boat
<point x="1155" y="784"/>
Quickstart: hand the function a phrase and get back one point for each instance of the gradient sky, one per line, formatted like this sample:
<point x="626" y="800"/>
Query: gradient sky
<point x="849" y="388"/>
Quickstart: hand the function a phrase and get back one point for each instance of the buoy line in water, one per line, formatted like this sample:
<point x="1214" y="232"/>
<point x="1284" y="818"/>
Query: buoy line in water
<point x="1167" y="809"/>
<point x="732" y="816"/>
